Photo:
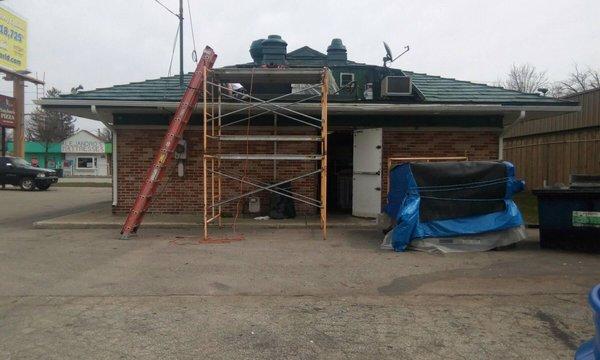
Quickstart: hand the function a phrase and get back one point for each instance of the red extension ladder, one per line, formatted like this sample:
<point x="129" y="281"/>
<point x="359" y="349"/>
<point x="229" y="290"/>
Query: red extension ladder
<point x="156" y="172"/>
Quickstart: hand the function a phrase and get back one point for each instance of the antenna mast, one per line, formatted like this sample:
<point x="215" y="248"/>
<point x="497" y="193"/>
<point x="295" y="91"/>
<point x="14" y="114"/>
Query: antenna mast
<point x="389" y="58"/>
<point x="181" y="43"/>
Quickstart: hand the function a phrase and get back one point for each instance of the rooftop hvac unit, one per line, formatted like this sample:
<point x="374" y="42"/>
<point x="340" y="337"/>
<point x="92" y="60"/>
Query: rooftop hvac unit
<point x="396" y="86"/>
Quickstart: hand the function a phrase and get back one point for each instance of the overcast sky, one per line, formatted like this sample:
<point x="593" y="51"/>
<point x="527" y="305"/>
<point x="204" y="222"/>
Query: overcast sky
<point x="99" y="43"/>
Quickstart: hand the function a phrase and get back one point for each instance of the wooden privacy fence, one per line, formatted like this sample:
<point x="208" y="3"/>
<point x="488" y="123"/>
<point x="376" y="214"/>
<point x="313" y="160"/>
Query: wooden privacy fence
<point x="551" y="158"/>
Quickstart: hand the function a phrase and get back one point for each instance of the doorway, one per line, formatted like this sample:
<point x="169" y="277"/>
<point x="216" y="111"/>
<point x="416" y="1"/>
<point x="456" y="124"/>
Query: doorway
<point x="339" y="172"/>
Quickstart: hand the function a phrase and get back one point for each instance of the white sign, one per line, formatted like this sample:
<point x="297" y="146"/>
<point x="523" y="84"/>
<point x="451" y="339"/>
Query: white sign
<point x="82" y="142"/>
<point x="586" y="218"/>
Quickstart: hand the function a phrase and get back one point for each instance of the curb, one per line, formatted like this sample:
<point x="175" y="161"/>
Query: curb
<point x="72" y="225"/>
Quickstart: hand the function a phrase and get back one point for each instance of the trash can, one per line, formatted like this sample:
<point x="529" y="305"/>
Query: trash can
<point x="569" y="218"/>
<point x="590" y="350"/>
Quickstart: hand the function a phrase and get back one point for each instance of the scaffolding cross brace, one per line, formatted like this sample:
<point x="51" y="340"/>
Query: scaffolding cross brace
<point x="216" y="88"/>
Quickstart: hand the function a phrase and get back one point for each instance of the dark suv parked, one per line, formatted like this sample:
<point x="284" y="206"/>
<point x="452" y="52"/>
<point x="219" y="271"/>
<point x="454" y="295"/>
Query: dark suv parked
<point x="18" y="172"/>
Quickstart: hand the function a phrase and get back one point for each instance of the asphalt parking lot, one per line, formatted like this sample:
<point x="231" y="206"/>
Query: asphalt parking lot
<point x="277" y="294"/>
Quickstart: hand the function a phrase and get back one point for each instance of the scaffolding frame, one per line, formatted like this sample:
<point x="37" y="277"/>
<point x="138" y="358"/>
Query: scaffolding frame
<point x="216" y="88"/>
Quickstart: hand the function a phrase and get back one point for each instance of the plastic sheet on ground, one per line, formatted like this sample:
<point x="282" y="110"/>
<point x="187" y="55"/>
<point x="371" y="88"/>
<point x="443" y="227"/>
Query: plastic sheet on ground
<point x="468" y="243"/>
<point x="453" y="200"/>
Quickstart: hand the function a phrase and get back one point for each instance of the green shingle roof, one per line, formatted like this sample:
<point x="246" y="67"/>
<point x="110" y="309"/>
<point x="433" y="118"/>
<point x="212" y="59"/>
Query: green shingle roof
<point x="161" y="89"/>
<point x="434" y="89"/>
<point x="437" y="89"/>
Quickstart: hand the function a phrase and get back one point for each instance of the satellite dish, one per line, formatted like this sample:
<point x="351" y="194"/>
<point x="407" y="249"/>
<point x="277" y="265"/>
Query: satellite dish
<point x="388" y="52"/>
<point x="389" y="58"/>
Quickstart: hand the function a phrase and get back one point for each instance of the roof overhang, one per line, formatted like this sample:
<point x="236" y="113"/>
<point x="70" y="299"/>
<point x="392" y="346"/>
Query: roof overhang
<point x="93" y="109"/>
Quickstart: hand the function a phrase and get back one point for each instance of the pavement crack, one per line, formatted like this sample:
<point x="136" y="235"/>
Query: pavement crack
<point x="555" y="327"/>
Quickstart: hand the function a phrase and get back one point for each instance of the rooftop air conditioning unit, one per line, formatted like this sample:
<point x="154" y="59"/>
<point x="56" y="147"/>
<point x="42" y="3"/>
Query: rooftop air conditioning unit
<point x="396" y="86"/>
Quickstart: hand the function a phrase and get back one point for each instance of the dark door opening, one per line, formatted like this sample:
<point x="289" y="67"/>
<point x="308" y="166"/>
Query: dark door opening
<point x="339" y="172"/>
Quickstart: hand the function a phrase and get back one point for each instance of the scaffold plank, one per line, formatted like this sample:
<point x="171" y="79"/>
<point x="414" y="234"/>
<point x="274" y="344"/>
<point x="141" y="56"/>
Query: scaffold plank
<point x="270" y="138"/>
<point x="296" y="157"/>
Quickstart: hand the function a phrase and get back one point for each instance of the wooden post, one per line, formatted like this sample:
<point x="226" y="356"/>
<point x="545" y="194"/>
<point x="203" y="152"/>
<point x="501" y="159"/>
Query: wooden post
<point x="19" y="129"/>
<point x="324" y="94"/>
<point x="219" y="153"/>
<point x="204" y="177"/>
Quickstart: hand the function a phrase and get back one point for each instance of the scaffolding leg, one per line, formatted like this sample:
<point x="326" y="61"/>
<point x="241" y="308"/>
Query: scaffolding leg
<point x="324" y="94"/>
<point x="204" y="184"/>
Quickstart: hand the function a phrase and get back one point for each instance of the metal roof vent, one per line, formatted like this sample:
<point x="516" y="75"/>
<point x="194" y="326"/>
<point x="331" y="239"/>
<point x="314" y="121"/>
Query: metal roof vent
<point x="274" y="51"/>
<point x="336" y="53"/>
<point x="256" y="51"/>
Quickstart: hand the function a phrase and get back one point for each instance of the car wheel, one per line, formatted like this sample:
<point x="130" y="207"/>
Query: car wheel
<point x="44" y="187"/>
<point x="27" y="184"/>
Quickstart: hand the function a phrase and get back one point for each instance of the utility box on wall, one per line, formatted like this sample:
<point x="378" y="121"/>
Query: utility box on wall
<point x="254" y="205"/>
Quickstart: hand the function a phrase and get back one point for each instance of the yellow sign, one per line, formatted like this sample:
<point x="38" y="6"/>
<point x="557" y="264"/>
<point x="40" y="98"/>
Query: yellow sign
<point x="13" y="41"/>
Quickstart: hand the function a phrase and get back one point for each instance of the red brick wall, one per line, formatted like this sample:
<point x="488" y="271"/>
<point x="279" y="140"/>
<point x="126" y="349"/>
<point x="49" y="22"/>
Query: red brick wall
<point x="136" y="148"/>
<point x="476" y="145"/>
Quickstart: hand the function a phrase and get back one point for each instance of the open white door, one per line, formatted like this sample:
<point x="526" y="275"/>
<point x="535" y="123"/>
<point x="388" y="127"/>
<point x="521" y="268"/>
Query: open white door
<point x="366" y="179"/>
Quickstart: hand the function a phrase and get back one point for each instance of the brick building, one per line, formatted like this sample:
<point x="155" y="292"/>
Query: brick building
<point x="409" y="115"/>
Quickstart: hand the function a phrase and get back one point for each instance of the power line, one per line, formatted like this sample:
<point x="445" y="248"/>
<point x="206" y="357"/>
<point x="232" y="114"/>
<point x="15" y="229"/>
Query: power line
<point x="166" y="8"/>
<point x="173" y="51"/>
<point x="194" y="53"/>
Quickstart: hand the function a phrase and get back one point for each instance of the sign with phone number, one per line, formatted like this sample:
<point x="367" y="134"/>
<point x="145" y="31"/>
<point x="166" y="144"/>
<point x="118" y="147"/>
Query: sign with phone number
<point x="13" y="40"/>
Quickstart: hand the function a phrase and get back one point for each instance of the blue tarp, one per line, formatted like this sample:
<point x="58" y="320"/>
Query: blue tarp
<point x="404" y="201"/>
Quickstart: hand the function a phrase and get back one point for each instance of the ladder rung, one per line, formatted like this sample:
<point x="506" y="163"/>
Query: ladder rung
<point x="268" y="157"/>
<point x="270" y="138"/>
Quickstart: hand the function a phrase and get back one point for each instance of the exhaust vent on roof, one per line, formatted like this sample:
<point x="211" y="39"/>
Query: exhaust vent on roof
<point x="274" y="51"/>
<point x="396" y="86"/>
<point x="336" y="53"/>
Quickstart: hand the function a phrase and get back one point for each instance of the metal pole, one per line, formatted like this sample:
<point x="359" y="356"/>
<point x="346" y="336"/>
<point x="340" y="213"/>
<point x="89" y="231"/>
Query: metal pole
<point x="269" y="188"/>
<point x="204" y="162"/>
<point x="3" y="141"/>
<point x="181" y="43"/>
<point x="275" y="147"/>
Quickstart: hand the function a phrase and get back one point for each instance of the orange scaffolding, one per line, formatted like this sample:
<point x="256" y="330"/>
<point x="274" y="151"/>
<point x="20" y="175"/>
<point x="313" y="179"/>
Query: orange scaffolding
<point x="221" y="101"/>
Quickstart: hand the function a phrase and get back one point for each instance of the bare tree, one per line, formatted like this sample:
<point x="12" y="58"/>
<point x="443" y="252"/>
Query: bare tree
<point x="47" y="127"/>
<point x="525" y="78"/>
<point x="557" y="90"/>
<point x="104" y="134"/>
<point x="579" y="80"/>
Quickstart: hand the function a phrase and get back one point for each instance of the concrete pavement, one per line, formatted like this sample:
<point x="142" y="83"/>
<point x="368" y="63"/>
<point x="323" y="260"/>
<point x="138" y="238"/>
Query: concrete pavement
<point x="282" y="293"/>
<point x="103" y="218"/>
<point x="22" y="208"/>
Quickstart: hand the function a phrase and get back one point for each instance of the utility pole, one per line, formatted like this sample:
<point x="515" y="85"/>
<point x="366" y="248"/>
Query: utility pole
<point x="19" y="79"/>
<point x="19" y="130"/>
<point x="181" y="43"/>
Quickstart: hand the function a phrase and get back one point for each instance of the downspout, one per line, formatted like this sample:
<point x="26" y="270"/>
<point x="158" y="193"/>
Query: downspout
<point x="505" y="131"/>
<point x="106" y="119"/>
